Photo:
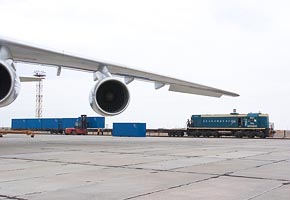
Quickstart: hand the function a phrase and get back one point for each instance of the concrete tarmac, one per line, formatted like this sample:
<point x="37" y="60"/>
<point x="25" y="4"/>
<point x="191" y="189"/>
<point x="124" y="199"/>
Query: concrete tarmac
<point x="98" y="167"/>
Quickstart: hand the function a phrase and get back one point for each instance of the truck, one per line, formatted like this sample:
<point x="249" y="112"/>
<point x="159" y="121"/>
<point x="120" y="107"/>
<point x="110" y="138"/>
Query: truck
<point x="81" y="127"/>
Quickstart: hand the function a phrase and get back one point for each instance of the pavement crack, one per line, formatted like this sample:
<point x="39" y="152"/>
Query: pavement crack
<point x="257" y="178"/>
<point x="274" y="162"/>
<point x="265" y="192"/>
<point x="22" y="179"/>
<point x="12" y="197"/>
<point x="171" y="188"/>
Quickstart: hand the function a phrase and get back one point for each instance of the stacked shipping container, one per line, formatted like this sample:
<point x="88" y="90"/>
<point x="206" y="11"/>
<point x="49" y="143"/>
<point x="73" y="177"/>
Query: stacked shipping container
<point x="55" y="125"/>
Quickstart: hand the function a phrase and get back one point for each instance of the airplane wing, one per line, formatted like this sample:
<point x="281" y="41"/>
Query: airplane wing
<point x="22" y="52"/>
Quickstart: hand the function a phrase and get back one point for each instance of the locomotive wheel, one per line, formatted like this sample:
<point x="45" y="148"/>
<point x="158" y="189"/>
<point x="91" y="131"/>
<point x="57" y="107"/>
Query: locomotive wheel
<point x="206" y="134"/>
<point x="239" y="134"/>
<point x="197" y="134"/>
<point x="193" y="134"/>
<point x="263" y="135"/>
<point x="189" y="133"/>
<point x="251" y="134"/>
<point x="215" y="134"/>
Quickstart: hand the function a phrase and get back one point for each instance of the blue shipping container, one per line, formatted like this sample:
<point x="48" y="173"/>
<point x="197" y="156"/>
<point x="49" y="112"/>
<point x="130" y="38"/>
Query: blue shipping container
<point x="33" y="124"/>
<point x="96" y="122"/>
<point x="18" y="124"/>
<point x="68" y="123"/>
<point x="129" y="129"/>
<point x="50" y="124"/>
<point x="47" y="124"/>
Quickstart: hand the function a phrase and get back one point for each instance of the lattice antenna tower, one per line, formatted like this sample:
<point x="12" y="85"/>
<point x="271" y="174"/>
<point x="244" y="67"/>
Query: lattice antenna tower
<point x="39" y="92"/>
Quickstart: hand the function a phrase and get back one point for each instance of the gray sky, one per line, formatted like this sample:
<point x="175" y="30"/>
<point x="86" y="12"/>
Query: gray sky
<point x="242" y="46"/>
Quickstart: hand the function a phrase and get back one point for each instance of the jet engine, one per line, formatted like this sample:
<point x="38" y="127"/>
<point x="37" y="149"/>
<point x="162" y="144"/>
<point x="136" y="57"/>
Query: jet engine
<point x="109" y="97"/>
<point x="9" y="83"/>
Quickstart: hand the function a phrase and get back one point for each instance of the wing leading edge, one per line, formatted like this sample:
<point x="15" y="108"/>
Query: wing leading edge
<point x="22" y="52"/>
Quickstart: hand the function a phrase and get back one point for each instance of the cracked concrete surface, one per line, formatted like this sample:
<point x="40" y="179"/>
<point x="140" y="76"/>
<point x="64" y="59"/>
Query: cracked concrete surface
<point x="88" y="167"/>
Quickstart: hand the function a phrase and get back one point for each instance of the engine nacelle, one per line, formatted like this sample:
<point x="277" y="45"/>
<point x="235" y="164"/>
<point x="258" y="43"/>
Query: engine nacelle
<point x="109" y="97"/>
<point x="9" y="83"/>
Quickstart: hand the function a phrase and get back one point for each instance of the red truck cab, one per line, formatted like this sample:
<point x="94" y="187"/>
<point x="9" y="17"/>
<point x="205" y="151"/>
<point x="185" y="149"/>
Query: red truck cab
<point x="76" y="131"/>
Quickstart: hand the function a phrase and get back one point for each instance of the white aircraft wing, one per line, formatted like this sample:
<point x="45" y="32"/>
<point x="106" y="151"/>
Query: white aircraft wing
<point x="32" y="54"/>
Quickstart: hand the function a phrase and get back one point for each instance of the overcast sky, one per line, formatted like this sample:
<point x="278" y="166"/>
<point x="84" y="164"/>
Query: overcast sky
<point x="238" y="45"/>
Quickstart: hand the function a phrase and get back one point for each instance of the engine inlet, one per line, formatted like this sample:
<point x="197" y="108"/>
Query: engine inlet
<point x="5" y="82"/>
